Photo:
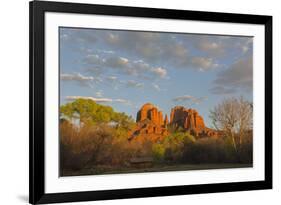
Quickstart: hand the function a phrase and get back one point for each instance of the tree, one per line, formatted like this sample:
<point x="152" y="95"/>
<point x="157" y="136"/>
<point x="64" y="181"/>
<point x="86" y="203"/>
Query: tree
<point x="234" y="117"/>
<point x="93" y="113"/>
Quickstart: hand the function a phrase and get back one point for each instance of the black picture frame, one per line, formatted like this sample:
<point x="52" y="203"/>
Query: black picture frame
<point x="37" y="194"/>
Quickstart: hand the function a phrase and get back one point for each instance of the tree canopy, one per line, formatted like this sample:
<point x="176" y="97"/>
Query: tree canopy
<point x="92" y="112"/>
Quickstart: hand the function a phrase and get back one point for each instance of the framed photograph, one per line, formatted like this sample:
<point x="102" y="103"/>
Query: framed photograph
<point x="130" y="102"/>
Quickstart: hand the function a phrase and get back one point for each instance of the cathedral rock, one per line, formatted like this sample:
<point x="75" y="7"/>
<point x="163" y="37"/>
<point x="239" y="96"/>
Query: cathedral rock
<point x="190" y="120"/>
<point x="151" y="124"/>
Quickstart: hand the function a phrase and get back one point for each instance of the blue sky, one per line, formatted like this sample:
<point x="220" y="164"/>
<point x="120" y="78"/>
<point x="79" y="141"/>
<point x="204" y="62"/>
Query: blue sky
<point x="125" y="69"/>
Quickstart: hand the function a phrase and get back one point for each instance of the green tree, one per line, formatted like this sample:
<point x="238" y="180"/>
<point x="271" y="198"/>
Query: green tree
<point x="91" y="112"/>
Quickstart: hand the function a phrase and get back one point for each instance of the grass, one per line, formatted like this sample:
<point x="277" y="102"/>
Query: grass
<point x="101" y="170"/>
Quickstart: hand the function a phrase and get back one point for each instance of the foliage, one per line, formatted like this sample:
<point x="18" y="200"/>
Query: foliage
<point x="158" y="151"/>
<point x="91" y="112"/>
<point x="102" y="141"/>
<point x="171" y="147"/>
<point x="92" y="145"/>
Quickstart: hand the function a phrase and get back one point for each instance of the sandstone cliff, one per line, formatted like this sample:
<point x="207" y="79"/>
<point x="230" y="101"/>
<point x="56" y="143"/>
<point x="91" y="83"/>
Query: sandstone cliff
<point x="149" y="111"/>
<point x="151" y="125"/>
<point x="190" y="120"/>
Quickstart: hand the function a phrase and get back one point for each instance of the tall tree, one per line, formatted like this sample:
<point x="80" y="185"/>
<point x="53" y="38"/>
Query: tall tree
<point x="90" y="111"/>
<point x="234" y="117"/>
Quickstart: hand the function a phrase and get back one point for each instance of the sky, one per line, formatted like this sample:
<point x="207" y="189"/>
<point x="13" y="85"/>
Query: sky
<point x="126" y="69"/>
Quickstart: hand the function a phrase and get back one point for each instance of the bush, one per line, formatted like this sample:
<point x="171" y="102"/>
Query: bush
<point x="80" y="147"/>
<point x="97" y="145"/>
<point x="210" y="150"/>
<point x="170" y="150"/>
<point x="158" y="151"/>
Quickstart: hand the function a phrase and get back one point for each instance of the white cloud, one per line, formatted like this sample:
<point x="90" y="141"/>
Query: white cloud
<point x="79" y="78"/>
<point x="123" y="101"/>
<point x="76" y="77"/>
<point x="132" y="83"/>
<point x="112" y="38"/>
<point x="99" y="93"/>
<point x="64" y="36"/>
<point x="123" y="65"/>
<point x="93" y="59"/>
<point x="98" y="100"/>
<point x="213" y="48"/>
<point x="245" y="46"/>
<point x="183" y="98"/>
<point x="200" y="52"/>
<point x="156" y="87"/>
<point x="161" y="72"/>
<point x="186" y="98"/>
<point x="111" y="78"/>
<point x="88" y="98"/>
<point x="106" y="51"/>
<point x="203" y="63"/>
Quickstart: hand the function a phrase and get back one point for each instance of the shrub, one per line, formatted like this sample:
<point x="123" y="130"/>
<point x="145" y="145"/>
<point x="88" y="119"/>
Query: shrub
<point x="158" y="151"/>
<point x="80" y="147"/>
<point x="209" y="150"/>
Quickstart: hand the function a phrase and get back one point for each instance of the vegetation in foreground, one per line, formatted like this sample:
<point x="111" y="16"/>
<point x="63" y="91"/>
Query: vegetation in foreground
<point x="98" y="143"/>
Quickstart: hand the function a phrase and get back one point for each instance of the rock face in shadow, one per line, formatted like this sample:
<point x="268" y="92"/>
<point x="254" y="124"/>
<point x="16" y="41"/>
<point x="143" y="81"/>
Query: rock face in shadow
<point x="166" y="121"/>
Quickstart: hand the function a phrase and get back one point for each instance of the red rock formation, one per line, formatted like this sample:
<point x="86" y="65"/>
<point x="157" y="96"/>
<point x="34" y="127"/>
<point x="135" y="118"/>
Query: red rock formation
<point x="143" y="112"/>
<point x="149" y="111"/>
<point x="150" y="122"/>
<point x="190" y="120"/>
<point x="166" y="121"/>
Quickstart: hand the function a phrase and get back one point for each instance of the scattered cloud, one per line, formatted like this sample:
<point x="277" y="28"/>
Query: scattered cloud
<point x="84" y="36"/>
<point x="99" y="93"/>
<point x="237" y="76"/>
<point x="112" y="38"/>
<point x="161" y="72"/>
<point x="189" y="98"/>
<point x="88" y="98"/>
<point x="76" y="77"/>
<point x="93" y="59"/>
<point x="213" y="48"/>
<point x="183" y="98"/>
<point x="203" y="63"/>
<point x="200" y="52"/>
<point x="156" y="87"/>
<point x="123" y="65"/>
<point x="132" y="83"/>
<point x="64" y="36"/>
<point x="123" y="101"/>
<point x="137" y="60"/>
<point x="245" y="45"/>
<point x="81" y="79"/>
<point x="98" y="100"/>
<point x="112" y="78"/>
<point x="106" y="51"/>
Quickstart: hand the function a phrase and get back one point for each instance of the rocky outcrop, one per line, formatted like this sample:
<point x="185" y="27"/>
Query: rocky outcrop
<point x="150" y="122"/>
<point x="149" y="111"/>
<point x="166" y="121"/>
<point x="151" y="125"/>
<point x="190" y="120"/>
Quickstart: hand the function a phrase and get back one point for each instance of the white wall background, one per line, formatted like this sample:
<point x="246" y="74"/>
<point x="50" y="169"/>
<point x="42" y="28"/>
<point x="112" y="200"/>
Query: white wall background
<point x="14" y="100"/>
